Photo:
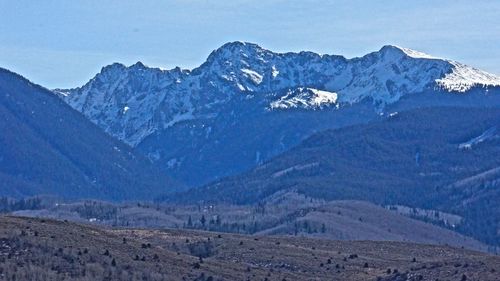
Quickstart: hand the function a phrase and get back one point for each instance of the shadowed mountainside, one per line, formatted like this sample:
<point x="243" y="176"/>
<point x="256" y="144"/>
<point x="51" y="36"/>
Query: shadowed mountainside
<point x="46" y="147"/>
<point x="436" y="158"/>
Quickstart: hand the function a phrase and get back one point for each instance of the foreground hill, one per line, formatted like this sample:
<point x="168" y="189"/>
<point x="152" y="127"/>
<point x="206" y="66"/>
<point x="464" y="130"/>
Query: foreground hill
<point x="246" y="104"/>
<point x="46" y="147"/>
<point x="33" y="249"/>
<point x="358" y="220"/>
<point x="288" y="214"/>
<point x="436" y="158"/>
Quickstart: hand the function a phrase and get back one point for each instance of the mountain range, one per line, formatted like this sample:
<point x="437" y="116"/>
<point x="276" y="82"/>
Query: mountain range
<point x="393" y="127"/>
<point x="246" y="104"/>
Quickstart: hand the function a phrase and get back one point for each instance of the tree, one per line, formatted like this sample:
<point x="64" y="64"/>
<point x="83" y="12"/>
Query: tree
<point x="323" y="228"/>
<point x="306" y="227"/>
<point x="203" y="220"/>
<point x="190" y="222"/>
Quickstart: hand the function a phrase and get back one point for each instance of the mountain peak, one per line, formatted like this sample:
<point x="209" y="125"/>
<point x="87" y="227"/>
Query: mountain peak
<point x="116" y="66"/>
<point x="394" y="49"/>
<point x="239" y="45"/>
<point x="138" y="65"/>
<point x="236" y="49"/>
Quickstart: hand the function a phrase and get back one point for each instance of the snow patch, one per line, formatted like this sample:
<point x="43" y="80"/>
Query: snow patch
<point x="62" y="93"/>
<point x="253" y="75"/>
<point x="294" y="168"/>
<point x="241" y="87"/>
<point x="274" y="71"/>
<point x="462" y="78"/>
<point x="180" y="117"/>
<point x="416" y="54"/>
<point x="488" y="134"/>
<point x="304" y="98"/>
<point x="323" y="97"/>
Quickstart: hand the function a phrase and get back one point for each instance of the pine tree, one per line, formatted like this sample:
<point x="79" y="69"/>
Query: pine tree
<point x="203" y="220"/>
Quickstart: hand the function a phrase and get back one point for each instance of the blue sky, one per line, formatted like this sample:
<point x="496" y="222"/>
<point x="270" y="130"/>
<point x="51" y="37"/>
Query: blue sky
<point x="64" y="43"/>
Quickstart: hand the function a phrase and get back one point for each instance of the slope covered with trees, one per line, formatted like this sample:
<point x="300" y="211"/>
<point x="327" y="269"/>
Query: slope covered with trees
<point x="435" y="158"/>
<point x="46" y="147"/>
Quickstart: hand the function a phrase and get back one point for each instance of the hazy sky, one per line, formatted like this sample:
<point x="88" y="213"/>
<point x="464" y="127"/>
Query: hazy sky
<point x="64" y="43"/>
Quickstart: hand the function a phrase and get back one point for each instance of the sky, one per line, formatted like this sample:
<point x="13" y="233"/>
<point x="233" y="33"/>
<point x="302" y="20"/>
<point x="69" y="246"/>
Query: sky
<point x="62" y="44"/>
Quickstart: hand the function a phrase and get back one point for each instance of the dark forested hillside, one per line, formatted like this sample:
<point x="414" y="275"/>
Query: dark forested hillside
<point x="436" y="158"/>
<point x="46" y="147"/>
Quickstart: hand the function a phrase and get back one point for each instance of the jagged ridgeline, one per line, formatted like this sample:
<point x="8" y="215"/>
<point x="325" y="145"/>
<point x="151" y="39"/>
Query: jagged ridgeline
<point x="246" y="104"/>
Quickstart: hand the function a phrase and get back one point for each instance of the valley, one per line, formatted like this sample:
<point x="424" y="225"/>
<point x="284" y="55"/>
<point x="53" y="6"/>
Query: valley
<point x="255" y="165"/>
<point x="285" y="214"/>
<point x="250" y="140"/>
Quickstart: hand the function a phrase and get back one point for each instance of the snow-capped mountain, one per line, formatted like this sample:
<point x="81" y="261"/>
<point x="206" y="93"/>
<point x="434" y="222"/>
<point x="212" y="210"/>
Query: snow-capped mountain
<point x="249" y="103"/>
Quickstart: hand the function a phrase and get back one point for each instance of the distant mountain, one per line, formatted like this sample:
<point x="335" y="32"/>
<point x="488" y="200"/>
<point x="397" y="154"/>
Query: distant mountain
<point x="246" y="104"/>
<point x="46" y="147"/>
<point x="438" y="158"/>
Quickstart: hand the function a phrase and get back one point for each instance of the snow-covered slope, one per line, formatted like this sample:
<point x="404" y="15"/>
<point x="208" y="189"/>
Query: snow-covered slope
<point x="307" y="98"/>
<point x="241" y="83"/>
<point x="125" y="101"/>
<point x="462" y="78"/>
